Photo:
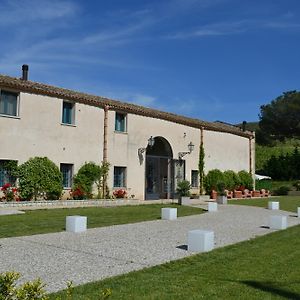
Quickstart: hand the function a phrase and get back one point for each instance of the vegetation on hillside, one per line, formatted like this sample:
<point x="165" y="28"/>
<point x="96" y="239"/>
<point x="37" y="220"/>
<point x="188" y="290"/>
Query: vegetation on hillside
<point x="277" y="133"/>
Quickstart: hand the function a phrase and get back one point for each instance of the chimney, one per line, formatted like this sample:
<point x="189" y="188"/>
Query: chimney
<point x="25" y="72"/>
<point x="244" y="126"/>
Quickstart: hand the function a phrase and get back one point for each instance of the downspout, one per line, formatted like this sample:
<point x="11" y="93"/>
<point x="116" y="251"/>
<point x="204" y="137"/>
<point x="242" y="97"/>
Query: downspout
<point x="251" y="160"/>
<point x="201" y="175"/>
<point x="105" y="135"/>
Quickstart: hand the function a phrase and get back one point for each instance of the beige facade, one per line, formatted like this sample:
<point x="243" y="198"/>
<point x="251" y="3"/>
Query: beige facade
<point x="37" y="130"/>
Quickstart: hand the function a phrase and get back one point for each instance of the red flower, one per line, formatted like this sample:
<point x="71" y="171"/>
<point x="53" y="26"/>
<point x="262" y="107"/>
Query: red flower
<point x="6" y="186"/>
<point x="120" y="193"/>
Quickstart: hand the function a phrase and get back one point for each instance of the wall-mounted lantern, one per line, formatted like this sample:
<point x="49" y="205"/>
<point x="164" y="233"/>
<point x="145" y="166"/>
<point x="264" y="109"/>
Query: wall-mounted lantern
<point x="151" y="142"/>
<point x="191" y="147"/>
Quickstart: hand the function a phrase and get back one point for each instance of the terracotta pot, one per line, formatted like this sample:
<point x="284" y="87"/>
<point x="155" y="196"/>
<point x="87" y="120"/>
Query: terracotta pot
<point x="213" y="195"/>
<point x="238" y="194"/>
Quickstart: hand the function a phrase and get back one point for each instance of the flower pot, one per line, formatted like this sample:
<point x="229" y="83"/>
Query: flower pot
<point x="213" y="194"/>
<point x="184" y="201"/>
<point x="238" y="194"/>
<point x="222" y="200"/>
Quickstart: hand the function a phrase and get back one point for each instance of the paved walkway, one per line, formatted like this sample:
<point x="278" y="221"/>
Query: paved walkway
<point x="103" y="252"/>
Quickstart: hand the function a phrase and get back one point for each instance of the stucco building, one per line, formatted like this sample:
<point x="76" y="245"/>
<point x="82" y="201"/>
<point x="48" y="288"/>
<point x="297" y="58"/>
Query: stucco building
<point x="149" y="151"/>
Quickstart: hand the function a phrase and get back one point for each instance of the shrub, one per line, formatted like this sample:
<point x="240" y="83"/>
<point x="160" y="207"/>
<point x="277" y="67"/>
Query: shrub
<point x="231" y="180"/>
<point x="10" y="192"/>
<point x="221" y="188"/>
<point x="29" y="290"/>
<point x="263" y="184"/>
<point x="297" y="185"/>
<point x="77" y="194"/>
<point x="211" y="180"/>
<point x="282" y="191"/>
<point x="120" y="193"/>
<point x="246" y="180"/>
<point x="34" y="290"/>
<point x="88" y="175"/>
<point x="39" y="176"/>
<point x="183" y="188"/>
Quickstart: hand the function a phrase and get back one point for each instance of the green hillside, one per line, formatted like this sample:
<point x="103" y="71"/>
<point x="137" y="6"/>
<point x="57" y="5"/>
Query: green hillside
<point x="264" y="153"/>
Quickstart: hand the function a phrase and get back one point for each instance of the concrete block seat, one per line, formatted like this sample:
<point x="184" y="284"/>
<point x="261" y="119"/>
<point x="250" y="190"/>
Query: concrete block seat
<point x="200" y="240"/>
<point x="212" y="206"/>
<point x="278" y="222"/>
<point x="273" y="205"/>
<point x="76" y="223"/>
<point x="168" y="213"/>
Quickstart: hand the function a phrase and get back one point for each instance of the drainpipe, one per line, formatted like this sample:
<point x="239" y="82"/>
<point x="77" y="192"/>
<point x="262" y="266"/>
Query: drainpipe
<point x="105" y="135"/>
<point x="106" y="108"/>
<point x="201" y="144"/>
<point x="250" y="159"/>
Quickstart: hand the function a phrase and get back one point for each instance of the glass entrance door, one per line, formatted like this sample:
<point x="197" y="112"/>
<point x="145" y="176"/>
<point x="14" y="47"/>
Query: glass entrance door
<point x="152" y="178"/>
<point x="162" y="177"/>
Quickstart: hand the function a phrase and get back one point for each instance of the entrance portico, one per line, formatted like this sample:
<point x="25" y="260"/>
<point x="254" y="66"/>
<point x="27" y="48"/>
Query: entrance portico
<point x="162" y="171"/>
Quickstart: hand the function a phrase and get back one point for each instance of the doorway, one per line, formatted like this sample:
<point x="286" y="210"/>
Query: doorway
<point x="160" y="169"/>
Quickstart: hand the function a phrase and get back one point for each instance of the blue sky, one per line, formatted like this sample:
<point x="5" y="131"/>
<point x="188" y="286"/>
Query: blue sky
<point x="207" y="59"/>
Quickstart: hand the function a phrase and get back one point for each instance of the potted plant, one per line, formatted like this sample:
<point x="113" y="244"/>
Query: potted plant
<point x="183" y="190"/>
<point x="222" y="197"/>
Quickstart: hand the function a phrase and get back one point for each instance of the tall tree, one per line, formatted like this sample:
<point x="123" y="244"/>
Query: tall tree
<point x="281" y="118"/>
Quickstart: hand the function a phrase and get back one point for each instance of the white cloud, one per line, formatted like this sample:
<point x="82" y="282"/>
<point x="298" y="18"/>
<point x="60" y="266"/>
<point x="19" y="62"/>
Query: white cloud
<point x="235" y="27"/>
<point x="141" y="99"/>
<point x="24" y="11"/>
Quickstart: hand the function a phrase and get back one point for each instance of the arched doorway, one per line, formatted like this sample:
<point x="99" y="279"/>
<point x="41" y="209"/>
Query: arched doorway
<point x="159" y="174"/>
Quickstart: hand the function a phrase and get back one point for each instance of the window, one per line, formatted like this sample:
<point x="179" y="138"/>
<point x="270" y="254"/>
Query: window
<point x="67" y="173"/>
<point x="195" y="179"/>
<point x="68" y="113"/>
<point x="119" y="176"/>
<point x="8" y="103"/>
<point x="120" y="123"/>
<point x="6" y="167"/>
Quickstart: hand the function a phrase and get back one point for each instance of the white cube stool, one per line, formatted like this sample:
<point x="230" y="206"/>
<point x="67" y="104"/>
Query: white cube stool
<point x="298" y="212"/>
<point x="212" y="206"/>
<point x="169" y="213"/>
<point x="76" y="223"/>
<point x="278" y="222"/>
<point x="200" y="240"/>
<point x="273" y="205"/>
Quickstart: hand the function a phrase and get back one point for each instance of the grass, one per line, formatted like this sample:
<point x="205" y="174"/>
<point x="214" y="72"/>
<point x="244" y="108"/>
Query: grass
<point x="288" y="203"/>
<point x="264" y="268"/>
<point x="53" y="220"/>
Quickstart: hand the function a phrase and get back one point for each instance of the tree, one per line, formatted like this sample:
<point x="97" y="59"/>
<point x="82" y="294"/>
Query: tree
<point x="201" y="168"/>
<point x="281" y="118"/>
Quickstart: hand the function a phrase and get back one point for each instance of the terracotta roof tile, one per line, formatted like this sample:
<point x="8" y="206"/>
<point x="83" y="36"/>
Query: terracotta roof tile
<point x="48" y="90"/>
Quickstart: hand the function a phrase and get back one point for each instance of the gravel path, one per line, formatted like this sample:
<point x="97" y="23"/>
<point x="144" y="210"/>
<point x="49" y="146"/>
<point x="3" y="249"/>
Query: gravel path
<point x="103" y="252"/>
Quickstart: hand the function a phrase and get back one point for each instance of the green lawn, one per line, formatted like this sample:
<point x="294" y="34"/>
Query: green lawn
<point x="265" y="268"/>
<point x="53" y="220"/>
<point x="288" y="203"/>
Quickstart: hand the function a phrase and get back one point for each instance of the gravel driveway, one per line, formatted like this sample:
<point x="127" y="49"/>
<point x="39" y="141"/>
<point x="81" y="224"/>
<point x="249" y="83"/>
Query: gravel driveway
<point x="103" y="252"/>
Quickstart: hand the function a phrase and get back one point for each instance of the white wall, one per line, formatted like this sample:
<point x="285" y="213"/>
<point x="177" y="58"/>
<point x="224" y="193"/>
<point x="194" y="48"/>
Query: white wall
<point x="225" y="151"/>
<point x="38" y="132"/>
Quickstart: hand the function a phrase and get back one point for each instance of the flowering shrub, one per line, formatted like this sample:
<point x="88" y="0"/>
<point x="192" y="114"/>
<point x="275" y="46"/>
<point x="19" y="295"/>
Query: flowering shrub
<point x="78" y="194"/>
<point x="120" y="193"/>
<point x="10" y="192"/>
